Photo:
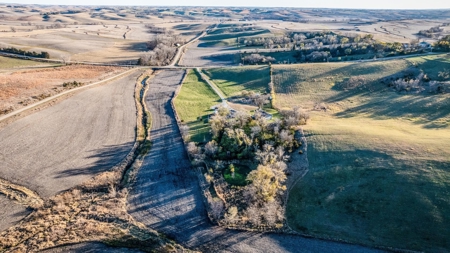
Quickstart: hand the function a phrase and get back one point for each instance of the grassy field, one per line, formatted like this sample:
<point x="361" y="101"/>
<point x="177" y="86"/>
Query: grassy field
<point x="234" y="35"/>
<point x="6" y="62"/>
<point x="232" y="81"/>
<point x="194" y="101"/>
<point x="379" y="160"/>
<point x="219" y="43"/>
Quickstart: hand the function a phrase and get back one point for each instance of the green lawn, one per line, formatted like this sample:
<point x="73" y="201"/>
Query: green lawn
<point x="240" y="175"/>
<point x="233" y="35"/>
<point x="6" y="62"/>
<point x="379" y="160"/>
<point x="232" y="81"/>
<point x="195" y="100"/>
<point x="218" y="43"/>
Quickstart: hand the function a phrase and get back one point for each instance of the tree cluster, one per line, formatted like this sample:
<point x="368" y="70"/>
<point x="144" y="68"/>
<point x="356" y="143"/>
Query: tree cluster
<point x="443" y="44"/>
<point x="433" y="32"/>
<point x="13" y="50"/>
<point x="153" y="29"/>
<point x="415" y="80"/>
<point x="162" y="50"/>
<point x="240" y="137"/>
<point x="305" y="40"/>
<point x="257" y="58"/>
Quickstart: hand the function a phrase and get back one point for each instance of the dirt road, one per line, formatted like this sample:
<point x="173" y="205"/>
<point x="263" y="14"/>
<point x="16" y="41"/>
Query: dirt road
<point x="63" y="145"/>
<point x="167" y="198"/>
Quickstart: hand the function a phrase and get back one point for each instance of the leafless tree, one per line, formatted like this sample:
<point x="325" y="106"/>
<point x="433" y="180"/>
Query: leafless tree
<point x="192" y="148"/>
<point x="184" y="130"/>
<point x="231" y="214"/>
<point x="272" y="213"/>
<point x="217" y="208"/>
<point x="211" y="148"/>
<point x="65" y="59"/>
<point x="253" y="214"/>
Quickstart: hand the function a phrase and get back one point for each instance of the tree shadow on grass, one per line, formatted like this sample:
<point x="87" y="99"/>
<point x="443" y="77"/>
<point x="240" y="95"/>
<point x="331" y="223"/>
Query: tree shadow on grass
<point x="378" y="101"/>
<point x="137" y="47"/>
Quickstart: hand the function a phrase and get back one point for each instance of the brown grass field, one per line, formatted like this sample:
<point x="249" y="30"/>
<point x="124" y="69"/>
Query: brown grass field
<point x="23" y="87"/>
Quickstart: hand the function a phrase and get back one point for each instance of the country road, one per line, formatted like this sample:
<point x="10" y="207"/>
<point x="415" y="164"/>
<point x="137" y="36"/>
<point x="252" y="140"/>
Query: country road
<point x="166" y="196"/>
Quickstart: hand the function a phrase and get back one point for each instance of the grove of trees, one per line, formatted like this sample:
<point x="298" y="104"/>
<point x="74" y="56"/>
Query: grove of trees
<point x="13" y="50"/>
<point x="162" y="49"/>
<point x="251" y="141"/>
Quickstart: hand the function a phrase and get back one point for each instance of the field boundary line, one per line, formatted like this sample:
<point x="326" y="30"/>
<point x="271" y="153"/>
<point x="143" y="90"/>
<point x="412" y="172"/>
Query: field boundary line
<point x="62" y="94"/>
<point x="211" y="84"/>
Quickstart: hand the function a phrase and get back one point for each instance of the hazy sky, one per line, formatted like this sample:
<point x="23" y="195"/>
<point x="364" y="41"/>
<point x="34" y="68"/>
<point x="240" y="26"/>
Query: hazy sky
<point x="360" y="4"/>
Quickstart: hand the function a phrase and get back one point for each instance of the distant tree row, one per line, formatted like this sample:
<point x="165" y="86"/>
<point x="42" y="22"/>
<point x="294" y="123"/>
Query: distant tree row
<point x="305" y="40"/>
<point x="443" y="44"/>
<point x="257" y="58"/>
<point x="433" y="32"/>
<point x="13" y="50"/>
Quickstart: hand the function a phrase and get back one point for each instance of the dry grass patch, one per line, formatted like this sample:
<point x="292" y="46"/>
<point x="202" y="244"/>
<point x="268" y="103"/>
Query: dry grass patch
<point x="24" y="87"/>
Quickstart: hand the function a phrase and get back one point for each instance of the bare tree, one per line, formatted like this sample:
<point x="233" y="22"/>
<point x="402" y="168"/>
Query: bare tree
<point x="65" y="59"/>
<point x="253" y="214"/>
<point x="231" y="214"/>
<point x="184" y="130"/>
<point x="217" y="208"/>
<point x="192" y="148"/>
<point x="211" y="148"/>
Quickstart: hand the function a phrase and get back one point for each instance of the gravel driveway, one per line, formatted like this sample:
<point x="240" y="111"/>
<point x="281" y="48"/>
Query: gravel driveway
<point x="167" y="198"/>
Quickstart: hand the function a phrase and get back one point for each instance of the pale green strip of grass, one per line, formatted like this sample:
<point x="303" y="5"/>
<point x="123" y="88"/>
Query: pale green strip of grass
<point x="193" y="102"/>
<point x="6" y="62"/>
<point x="232" y="81"/>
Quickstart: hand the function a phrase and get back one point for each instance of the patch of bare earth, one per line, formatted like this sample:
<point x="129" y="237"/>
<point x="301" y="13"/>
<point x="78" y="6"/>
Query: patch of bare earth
<point x="91" y="212"/>
<point x="24" y="87"/>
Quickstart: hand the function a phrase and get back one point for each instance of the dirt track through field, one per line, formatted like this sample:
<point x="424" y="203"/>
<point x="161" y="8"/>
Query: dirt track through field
<point x="167" y="197"/>
<point x="63" y="145"/>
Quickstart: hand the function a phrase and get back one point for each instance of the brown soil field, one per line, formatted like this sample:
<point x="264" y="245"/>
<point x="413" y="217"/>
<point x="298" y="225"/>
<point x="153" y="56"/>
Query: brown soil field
<point x="63" y="145"/>
<point x="206" y="56"/>
<point x="23" y="87"/>
<point x="11" y="212"/>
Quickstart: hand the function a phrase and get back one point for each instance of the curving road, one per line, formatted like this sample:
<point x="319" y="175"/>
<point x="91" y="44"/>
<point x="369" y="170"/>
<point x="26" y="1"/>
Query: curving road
<point x="167" y="197"/>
